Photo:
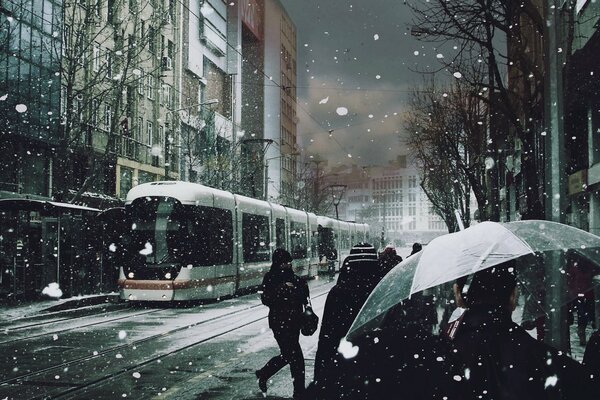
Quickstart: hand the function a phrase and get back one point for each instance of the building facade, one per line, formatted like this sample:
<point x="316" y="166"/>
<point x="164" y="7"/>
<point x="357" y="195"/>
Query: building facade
<point x="30" y="59"/>
<point x="390" y="199"/>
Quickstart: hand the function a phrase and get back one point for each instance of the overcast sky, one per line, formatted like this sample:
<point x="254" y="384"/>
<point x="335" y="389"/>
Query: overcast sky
<point x="354" y="55"/>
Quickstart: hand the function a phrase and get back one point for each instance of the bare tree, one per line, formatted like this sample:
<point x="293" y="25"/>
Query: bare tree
<point x="504" y="37"/>
<point x="446" y="137"/>
<point x="109" y="67"/>
<point x="210" y="158"/>
<point x="309" y="192"/>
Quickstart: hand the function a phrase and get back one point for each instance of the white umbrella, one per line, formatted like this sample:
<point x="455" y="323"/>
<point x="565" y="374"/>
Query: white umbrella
<point x="481" y="246"/>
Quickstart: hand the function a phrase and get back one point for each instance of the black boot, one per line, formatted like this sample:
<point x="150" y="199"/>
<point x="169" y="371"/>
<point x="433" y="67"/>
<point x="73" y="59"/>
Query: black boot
<point x="262" y="381"/>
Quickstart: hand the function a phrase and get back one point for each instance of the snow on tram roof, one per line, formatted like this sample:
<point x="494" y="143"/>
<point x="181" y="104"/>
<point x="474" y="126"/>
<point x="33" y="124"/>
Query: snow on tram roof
<point x="185" y="192"/>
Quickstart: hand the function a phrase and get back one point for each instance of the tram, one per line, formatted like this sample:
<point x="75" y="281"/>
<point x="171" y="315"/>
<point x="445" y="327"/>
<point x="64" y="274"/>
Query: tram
<point x="190" y="242"/>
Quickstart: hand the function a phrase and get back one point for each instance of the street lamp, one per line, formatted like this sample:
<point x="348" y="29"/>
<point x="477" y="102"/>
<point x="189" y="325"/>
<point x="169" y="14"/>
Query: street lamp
<point x="337" y="191"/>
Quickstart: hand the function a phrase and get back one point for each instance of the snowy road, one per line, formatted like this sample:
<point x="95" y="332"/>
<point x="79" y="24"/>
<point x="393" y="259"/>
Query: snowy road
<point x="207" y="351"/>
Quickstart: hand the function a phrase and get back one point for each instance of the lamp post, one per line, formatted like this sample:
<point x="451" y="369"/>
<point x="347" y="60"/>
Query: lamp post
<point x="168" y="136"/>
<point x="337" y="191"/>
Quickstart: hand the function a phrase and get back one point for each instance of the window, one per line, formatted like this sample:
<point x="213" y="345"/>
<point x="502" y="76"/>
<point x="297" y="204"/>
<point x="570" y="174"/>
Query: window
<point x="280" y="233"/>
<point x="412" y="182"/>
<point x="213" y="24"/>
<point x="165" y="98"/>
<point x="149" y="133"/>
<point x="96" y="57"/>
<point x="108" y="63"/>
<point x="151" y="40"/>
<point x="255" y="238"/>
<point x="107" y="117"/>
<point x="77" y="110"/>
<point x="150" y="86"/>
<point x="141" y="82"/>
<point x="298" y="239"/>
<point x="161" y="135"/>
<point x="210" y="233"/>
<point x="110" y="13"/>
<point x="94" y="112"/>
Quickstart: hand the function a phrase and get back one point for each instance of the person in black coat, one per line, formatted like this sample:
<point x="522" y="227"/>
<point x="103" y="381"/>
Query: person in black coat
<point x="359" y="274"/>
<point x="388" y="259"/>
<point x="285" y="294"/>
<point x="591" y="360"/>
<point x="494" y="358"/>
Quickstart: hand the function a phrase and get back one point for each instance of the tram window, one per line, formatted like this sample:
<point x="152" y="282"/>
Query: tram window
<point x="314" y="244"/>
<point x="298" y="240"/>
<point x="255" y="237"/>
<point x="345" y="240"/>
<point x="210" y="236"/>
<point x="280" y="233"/>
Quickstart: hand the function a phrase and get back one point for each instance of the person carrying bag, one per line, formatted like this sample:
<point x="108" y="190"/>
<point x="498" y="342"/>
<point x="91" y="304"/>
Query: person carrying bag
<point x="286" y="295"/>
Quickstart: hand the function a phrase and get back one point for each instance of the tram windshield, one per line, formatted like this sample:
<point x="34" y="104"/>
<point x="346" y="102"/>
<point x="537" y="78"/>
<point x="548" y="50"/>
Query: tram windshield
<point x="157" y="229"/>
<point x="166" y="232"/>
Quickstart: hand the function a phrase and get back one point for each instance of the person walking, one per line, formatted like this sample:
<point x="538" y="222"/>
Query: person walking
<point x="580" y="275"/>
<point x="494" y="358"/>
<point x="388" y="259"/>
<point x="591" y="360"/>
<point x="286" y="295"/>
<point x="359" y="274"/>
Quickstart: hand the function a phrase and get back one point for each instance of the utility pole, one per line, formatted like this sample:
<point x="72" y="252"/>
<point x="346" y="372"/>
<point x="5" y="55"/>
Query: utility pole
<point x="314" y="203"/>
<point x="557" y="328"/>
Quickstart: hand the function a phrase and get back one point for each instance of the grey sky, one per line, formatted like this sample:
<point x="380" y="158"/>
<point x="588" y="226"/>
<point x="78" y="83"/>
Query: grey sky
<point x="355" y="55"/>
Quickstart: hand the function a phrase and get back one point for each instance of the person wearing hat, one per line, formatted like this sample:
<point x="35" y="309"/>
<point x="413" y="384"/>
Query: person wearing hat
<point x="359" y="274"/>
<point x="285" y="294"/>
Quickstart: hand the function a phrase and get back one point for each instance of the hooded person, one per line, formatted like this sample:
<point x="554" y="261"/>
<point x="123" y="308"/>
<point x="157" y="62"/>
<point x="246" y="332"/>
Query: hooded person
<point x="416" y="247"/>
<point x="285" y="294"/>
<point x="359" y="274"/>
<point x="494" y="358"/>
<point x="388" y="259"/>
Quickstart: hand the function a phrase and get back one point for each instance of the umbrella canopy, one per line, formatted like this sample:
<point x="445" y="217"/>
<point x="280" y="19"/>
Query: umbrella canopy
<point x="481" y="246"/>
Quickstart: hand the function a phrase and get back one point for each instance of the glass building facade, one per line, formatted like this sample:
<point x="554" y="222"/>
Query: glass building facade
<point x="30" y="61"/>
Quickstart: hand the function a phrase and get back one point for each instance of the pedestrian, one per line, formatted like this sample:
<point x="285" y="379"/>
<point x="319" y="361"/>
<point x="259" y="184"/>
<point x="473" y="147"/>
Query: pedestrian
<point x="580" y="274"/>
<point x="494" y="358"/>
<point x="388" y="259"/>
<point x="358" y="276"/>
<point x="400" y="359"/>
<point x="286" y="295"/>
<point x="591" y="360"/>
<point x="416" y="247"/>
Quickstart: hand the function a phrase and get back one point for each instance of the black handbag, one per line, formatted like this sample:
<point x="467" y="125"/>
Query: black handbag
<point x="310" y="320"/>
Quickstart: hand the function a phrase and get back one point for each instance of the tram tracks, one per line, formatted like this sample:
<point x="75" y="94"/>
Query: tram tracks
<point x="81" y="373"/>
<point x="30" y="336"/>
